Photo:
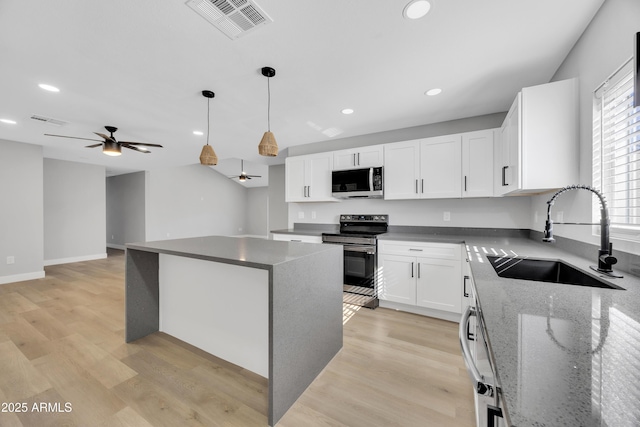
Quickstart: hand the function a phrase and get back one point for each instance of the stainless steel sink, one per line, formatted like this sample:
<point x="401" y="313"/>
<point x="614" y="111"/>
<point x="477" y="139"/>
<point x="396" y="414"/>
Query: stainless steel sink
<point x="544" y="270"/>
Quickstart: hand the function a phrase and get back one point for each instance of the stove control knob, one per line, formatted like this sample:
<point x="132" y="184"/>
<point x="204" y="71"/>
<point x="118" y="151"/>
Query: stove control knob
<point x="376" y="217"/>
<point x="382" y="218"/>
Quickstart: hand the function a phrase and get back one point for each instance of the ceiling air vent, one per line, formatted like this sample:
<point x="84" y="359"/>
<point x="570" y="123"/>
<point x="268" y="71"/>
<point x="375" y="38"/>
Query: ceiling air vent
<point x="234" y="18"/>
<point x="48" y="120"/>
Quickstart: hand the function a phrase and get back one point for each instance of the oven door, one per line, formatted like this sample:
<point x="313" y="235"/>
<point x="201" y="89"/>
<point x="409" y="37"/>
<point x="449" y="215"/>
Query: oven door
<point x="360" y="268"/>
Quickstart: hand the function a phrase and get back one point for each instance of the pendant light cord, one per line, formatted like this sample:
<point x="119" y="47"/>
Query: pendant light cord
<point x="268" y="104"/>
<point x="208" y="118"/>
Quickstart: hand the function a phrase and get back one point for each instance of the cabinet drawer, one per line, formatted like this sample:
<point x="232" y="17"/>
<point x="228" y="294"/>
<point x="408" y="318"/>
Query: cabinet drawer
<point x="420" y="249"/>
<point x="297" y="238"/>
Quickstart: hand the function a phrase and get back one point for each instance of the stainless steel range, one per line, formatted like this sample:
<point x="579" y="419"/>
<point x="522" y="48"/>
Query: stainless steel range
<point x="358" y="234"/>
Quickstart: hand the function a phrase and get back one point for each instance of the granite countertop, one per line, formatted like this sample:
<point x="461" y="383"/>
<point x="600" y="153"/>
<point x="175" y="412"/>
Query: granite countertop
<point x="244" y="251"/>
<point x="565" y="355"/>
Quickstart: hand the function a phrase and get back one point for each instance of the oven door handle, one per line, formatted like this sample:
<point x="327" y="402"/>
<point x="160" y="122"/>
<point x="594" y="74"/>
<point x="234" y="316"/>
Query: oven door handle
<point x="371" y="250"/>
<point x="480" y="386"/>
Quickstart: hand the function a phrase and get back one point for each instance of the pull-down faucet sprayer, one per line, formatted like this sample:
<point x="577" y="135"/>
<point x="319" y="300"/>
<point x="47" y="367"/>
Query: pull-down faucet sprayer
<point x="605" y="253"/>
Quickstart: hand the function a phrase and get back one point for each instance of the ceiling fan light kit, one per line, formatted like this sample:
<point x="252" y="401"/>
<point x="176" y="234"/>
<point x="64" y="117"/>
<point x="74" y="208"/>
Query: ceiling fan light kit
<point x="268" y="145"/>
<point x="207" y="155"/>
<point x="111" y="148"/>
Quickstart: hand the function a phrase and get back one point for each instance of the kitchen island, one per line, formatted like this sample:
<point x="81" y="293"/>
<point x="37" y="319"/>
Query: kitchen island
<point x="272" y="307"/>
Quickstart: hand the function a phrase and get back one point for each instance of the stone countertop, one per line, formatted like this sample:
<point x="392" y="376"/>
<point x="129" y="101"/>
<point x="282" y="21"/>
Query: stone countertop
<point x="300" y="232"/>
<point x="244" y="251"/>
<point x="565" y="355"/>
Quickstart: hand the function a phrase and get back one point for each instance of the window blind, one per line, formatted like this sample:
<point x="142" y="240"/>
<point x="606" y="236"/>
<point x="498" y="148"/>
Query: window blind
<point x="616" y="151"/>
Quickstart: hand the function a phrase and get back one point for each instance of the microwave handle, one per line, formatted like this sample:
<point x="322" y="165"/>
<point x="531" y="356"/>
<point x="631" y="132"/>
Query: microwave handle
<point x="492" y="413"/>
<point x="478" y="380"/>
<point x="370" y="179"/>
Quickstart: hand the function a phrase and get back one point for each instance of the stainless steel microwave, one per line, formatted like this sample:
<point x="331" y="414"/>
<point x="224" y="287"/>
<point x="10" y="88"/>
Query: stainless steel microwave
<point x="357" y="183"/>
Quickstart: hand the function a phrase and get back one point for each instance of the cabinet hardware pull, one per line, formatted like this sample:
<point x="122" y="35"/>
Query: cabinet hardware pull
<point x="416" y="186"/>
<point x="464" y="287"/>
<point x="504" y="176"/>
<point x="354" y="159"/>
<point x="308" y="191"/>
<point x="422" y="184"/>
<point x="294" y="240"/>
<point x="418" y="270"/>
<point x="358" y="159"/>
<point x="413" y="249"/>
<point x="465" y="183"/>
<point x="412" y="269"/>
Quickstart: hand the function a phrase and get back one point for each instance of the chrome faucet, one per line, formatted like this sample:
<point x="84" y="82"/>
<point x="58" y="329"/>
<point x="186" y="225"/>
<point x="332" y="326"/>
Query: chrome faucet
<point x="605" y="253"/>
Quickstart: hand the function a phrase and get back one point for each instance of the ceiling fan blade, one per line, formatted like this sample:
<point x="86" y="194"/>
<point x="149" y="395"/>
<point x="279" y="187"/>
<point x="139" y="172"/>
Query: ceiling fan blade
<point x="141" y="143"/>
<point x="108" y="138"/>
<point x="94" y="145"/>
<point x="72" y="137"/>
<point x="254" y="176"/>
<point x="134" y="148"/>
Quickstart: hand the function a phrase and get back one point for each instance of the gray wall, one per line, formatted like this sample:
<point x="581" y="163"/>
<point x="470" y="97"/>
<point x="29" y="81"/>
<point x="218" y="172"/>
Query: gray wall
<point x="605" y="45"/>
<point x="21" y="218"/>
<point x="278" y="209"/>
<point x="425" y="131"/>
<point x="257" y="211"/>
<point x="508" y="212"/>
<point x="192" y="201"/>
<point x="74" y="212"/>
<point x="125" y="209"/>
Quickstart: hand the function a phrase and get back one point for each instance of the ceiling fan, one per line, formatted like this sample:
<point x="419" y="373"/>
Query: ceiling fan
<point x="110" y="146"/>
<point x="243" y="175"/>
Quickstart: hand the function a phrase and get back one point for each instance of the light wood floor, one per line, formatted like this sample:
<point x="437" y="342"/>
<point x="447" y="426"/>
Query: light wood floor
<point x="62" y="343"/>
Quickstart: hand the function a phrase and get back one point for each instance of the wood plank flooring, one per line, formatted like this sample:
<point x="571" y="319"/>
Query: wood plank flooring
<point x="64" y="362"/>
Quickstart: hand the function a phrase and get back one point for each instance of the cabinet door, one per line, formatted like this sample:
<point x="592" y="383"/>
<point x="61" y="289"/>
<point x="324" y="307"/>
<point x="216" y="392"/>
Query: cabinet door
<point x="369" y="157"/>
<point x="318" y="176"/>
<point x="508" y="152"/>
<point x="398" y="281"/>
<point x="344" y="159"/>
<point x="401" y="170"/>
<point x="441" y="167"/>
<point x="477" y="164"/>
<point x="295" y="179"/>
<point x="439" y="284"/>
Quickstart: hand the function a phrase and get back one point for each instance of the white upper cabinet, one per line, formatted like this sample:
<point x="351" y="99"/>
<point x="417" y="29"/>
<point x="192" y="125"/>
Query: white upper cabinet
<point x="441" y="167"/>
<point x="538" y="146"/>
<point x="477" y="163"/>
<point x="402" y="170"/>
<point x="363" y="157"/>
<point x="308" y="178"/>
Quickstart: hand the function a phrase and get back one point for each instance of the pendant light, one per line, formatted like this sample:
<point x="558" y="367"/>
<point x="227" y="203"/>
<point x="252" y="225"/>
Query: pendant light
<point x="268" y="145"/>
<point x="208" y="156"/>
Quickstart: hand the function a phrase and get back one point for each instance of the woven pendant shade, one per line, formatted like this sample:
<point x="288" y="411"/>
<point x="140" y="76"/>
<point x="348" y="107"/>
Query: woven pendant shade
<point x="268" y="145"/>
<point x="208" y="156"/>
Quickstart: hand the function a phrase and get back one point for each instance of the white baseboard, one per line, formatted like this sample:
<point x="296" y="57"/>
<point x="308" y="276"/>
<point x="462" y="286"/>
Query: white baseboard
<point x="74" y="259"/>
<point x="21" y="277"/>
<point x="114" y="246"/>
<point x="445" y="315"/>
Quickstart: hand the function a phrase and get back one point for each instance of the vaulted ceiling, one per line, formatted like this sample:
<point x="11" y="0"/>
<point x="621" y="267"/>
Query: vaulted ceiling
<point x="141" y="66"/>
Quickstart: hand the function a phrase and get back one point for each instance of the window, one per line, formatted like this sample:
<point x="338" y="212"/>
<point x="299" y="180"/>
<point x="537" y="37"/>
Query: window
<point x="616" y="153"/>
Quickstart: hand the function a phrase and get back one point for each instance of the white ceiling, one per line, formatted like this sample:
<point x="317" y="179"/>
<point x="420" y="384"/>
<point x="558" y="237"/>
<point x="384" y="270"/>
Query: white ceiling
<point x="141" y="66"/>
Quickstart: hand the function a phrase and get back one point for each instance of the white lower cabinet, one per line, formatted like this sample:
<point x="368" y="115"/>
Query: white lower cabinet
<point x="423" y="278"/>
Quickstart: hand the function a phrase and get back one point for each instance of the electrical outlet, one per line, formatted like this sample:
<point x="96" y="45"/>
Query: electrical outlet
<point x="301" y="215"/>
<point x="446" y="216"/>
<point x="11" y="260"/>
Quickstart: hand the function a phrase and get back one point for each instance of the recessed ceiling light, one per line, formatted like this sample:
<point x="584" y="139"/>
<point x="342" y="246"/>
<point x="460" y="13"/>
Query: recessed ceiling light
<point x="7" y="121"/>
<point x="198" y="132"/>
<point x="416" y="9"/>
<point x="347" y="111"/>
<point x="48" y="87"/>
<point x="433" y="92"/>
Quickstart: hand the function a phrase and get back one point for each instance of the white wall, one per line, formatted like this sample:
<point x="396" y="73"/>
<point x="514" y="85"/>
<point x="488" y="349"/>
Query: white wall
<point x="21" y="218"/>
<point x="257" y="211"/>
<point x="125" y="209"/>
<point x="506" y="212"/>
<point x="605" y="45"/>
<point x="278" y="209"/>
<point x="192" y="201"/>
<point x="74" y="212"/>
